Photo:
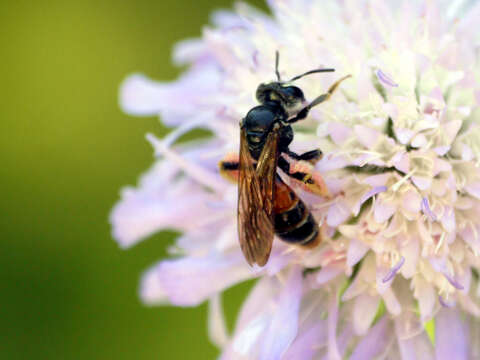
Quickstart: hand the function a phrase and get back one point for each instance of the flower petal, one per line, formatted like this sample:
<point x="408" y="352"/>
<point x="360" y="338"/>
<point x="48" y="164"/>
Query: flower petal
<point x="367" y="136"/>
<point x="333" y="348"/>
<point x="189" y="281"/>
<point x="474" y="189"/>
<point x="416" y="348"/>
<point x="254" y="318"/>
<point x="356" y="251"/>
<point x="177" y="102"/>
<point x="451" y="335"/>
<point x="364" y="310"/>
<point x="339" y="132"/>
<point x="383" y="210"/>
<point x="376" y="190"/>
<point x="148" y="208"/>
<point x="217" y="328"/>
<point x="391" y="302"/>
<point x="141" y="96"/>
<point x="426" y="295"/>
<point x="246" y="341"/>
<point x="305" y="345"/>
<point x="375" y="342"/>
<point x="328" y="273"/>
<point x="410" y="250"/>
<point x="151" y="290"/>
<point x="139" y="215"/>
<point x="474" y="332"/>
<point x="338" y="213"/>
<point x="284" y="325"/>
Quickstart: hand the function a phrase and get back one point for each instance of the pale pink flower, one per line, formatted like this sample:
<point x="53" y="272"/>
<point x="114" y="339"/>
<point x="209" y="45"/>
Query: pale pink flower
<point x="401" y="140"/>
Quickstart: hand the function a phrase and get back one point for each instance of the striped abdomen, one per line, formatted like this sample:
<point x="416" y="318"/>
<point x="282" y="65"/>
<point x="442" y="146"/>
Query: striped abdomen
<point x="293" y="221"/>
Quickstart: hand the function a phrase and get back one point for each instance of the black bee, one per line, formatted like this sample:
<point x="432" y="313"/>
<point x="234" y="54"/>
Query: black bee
<point x="266" y="205"/>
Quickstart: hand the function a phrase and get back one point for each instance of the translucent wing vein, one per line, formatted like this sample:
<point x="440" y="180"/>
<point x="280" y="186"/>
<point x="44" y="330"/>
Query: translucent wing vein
<point x="255" y="199"/>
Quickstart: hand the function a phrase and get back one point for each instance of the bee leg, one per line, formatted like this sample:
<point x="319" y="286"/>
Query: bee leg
<point x="311" y="156"/>
<point x="228" y="165"/>
<point x="305" y="174"/>
<point x="229" y="168"/>
<point x="302" y="114"/>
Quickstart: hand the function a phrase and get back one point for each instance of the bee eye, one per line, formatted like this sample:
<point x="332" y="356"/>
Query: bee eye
<point x="273" y="96"/>
<point x="294" y="92"/>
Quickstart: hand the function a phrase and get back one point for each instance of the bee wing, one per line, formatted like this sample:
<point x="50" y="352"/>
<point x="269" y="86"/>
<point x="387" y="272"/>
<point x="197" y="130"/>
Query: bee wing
<point x="267" y="170"/>
<point x="255" y="199"/>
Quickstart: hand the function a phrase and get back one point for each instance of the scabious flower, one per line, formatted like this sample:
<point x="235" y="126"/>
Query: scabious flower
<point x="401" y="140"/>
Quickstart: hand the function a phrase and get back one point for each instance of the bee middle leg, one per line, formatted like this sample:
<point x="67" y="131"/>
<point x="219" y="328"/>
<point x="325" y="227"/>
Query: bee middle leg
<point x="311" y="156"/>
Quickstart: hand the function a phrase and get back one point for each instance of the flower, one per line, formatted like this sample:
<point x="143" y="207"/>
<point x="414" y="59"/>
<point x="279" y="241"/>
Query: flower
<point x="401" y="140"/>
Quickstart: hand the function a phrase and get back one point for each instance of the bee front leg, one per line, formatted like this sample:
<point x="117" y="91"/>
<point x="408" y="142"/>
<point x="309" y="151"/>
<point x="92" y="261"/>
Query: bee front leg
<point x="303" y="113"/>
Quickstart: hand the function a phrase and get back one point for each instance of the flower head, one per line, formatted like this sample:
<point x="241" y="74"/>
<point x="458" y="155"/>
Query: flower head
<point x="401" y="140"/>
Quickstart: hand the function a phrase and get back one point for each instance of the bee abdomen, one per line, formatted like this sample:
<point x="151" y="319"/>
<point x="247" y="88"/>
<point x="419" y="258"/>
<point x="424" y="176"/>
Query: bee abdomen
<point x="297" y="225"/>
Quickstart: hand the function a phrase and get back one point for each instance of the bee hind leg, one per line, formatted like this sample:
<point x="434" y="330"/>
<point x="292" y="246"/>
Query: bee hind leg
<point x="229" y="166"/>
<point x="305" y="175"/>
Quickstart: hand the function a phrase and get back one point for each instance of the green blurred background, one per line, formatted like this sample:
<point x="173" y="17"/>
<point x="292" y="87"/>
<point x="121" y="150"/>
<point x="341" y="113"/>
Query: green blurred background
<point x="67" y="290"/>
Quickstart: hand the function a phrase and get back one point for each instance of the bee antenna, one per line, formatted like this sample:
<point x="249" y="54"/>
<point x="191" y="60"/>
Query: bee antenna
<point x="311" y="72"/>
<point x="277" y="60"/>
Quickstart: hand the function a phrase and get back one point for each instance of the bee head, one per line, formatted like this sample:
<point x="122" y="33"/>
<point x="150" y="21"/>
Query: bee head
<point x="282" y="92"/>
<point x="288" y="96"/>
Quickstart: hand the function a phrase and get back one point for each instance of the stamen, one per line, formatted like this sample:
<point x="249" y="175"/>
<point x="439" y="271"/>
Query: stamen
<point x="372" y="208"/>
<point x="385" y="79"/>
<point x="323" y="205"/>
<point x="368" y="152"/>
<point x="393" y="271"/>
<point x="288" y="250"/>
<point x="443" y="302"/>
<point x="255" y="58"/>
<point x="427" y="210"/>
<point x="339" y="257"/>
<point x="282" y="278"/>
<point x="472" y="226"/>
<point x="440" y="242"/>
<point x="399" y="183"/>
<point x="170" y="139"/>
<point x="474" y="230"/>
<point x="366" y="161"/>
<point x="453" y="282"/>
<point x="373" y="156"/>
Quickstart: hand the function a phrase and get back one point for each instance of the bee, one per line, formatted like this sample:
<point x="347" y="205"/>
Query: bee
<point x="266" y="204"/>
